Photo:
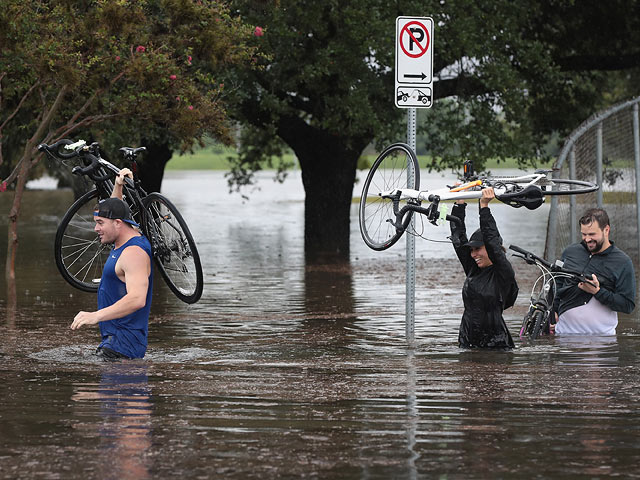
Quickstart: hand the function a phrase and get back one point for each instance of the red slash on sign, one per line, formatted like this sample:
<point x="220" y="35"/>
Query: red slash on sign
<point x="414" y="34"/>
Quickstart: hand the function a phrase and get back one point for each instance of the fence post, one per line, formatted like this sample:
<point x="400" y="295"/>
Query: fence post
<point x="636" y="155"/>
<point x="572" y="198"/>
<point x="599" y="195"/>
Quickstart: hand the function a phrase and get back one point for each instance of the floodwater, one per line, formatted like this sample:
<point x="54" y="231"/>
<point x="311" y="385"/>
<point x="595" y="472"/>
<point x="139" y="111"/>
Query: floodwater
<point x="290" y="371"/>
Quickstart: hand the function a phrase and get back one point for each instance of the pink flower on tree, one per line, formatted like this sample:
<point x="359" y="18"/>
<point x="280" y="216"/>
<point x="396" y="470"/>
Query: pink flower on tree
<point x="190" y="107"/>
<point x="140" y="49"/>
<point x="173" y="77"/>
<point x="117" y="58"/>
<point x="3" y="186"/>
<point x="189" y="60"/>
<point x="258" y="32"/>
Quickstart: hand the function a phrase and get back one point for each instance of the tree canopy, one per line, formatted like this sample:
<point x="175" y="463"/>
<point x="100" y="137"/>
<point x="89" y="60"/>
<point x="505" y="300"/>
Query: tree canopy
<point x="104" y="68"/>
<point x="106" y="65"/>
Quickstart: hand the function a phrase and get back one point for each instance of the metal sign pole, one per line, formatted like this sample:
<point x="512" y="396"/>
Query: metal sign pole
<point x="410" y="312"/>
<point x="413" y="90"/>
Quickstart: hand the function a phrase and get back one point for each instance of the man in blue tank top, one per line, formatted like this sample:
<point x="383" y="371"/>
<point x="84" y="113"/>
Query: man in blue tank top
<point x="124" y="295"/>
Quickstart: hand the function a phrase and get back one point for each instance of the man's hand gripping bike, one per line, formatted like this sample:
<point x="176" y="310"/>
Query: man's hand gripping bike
<point x="389" y="199"/>
<point x="79" y="254"/>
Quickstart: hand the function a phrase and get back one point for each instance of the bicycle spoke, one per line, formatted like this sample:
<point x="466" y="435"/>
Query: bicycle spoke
<point x="173" y="248"/>
<point x="78" y="256"/>
<point x="377" y="218"/>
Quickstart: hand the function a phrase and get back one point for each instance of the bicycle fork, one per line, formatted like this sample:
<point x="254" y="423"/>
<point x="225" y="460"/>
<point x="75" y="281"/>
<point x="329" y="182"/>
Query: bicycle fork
<point x="431" y="212"/>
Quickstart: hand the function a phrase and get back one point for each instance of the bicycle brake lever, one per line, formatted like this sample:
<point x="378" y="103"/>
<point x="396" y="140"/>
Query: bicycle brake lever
<point x="526" y="258"/>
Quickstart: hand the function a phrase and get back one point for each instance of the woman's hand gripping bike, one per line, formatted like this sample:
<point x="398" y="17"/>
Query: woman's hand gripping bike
<point x="389" y="198"/>
<point x="541" y="315"/>
<point x="79" y="254"/>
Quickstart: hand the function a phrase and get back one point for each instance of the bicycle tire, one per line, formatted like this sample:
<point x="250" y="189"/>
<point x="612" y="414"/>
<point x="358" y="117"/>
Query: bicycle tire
<point x="526" y="323"/>
<point x="174" y="249"/>
<point x="563" y="186"/>
<point x="538" y="321"/>
<point x="80" y="257"/>
<point x="388" y="172"/>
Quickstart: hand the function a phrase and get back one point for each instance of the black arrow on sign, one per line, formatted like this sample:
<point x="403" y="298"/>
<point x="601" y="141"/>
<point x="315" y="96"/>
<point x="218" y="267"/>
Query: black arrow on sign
<point x="421" y="76"/>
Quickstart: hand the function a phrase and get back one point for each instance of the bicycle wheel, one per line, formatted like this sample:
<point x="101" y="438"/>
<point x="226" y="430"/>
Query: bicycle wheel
<point x="388" y="173"/>
<point x="538" y="321"/>
<point x="561" y="186"/>
<point x="174" y="249"/>
<point x="525" y="329"/>
<point x="79" y="254"/>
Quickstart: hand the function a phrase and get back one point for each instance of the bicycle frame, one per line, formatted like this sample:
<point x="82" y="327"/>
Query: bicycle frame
<point x="542" y="302"/>
<point x="104" y="172"/>
<point x="469" y="190"/>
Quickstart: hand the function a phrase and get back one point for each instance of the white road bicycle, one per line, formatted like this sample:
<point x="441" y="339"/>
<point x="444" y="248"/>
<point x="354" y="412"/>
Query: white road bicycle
<point x="389" y="199"/>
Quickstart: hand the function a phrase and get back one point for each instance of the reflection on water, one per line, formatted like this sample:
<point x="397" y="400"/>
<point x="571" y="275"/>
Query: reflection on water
<point x="123" y="433"/>
<point x="292" y="370"/>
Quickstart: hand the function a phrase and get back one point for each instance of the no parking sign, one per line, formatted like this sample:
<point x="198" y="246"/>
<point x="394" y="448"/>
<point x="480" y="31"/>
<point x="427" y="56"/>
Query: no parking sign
<point x="414" y="62"/>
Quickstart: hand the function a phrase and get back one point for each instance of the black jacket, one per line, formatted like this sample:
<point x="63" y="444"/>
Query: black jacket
<point x="486" y="291"/>
<point x="615" y="273"/>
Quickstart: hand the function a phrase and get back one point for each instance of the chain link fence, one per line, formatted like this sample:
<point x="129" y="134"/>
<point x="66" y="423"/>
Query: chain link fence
<point x="605" y="149"/>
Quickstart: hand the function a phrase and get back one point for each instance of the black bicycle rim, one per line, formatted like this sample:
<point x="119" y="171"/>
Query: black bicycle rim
<point x="174" y="249"/>
<point x="79" y="255"/>
<point x="388" y="172"/>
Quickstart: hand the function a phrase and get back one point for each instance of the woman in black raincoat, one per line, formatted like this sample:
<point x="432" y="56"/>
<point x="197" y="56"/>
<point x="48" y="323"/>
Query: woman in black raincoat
<point x="490" y="286"/>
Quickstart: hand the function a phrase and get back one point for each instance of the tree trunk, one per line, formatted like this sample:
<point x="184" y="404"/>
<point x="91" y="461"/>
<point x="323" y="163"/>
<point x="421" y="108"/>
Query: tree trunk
<point x="328" y="164"/>
<point x="12" y="232"/>
<point x="328" y="175"/>
<point x="328" y="183"/>
<point x="151" y="170"/>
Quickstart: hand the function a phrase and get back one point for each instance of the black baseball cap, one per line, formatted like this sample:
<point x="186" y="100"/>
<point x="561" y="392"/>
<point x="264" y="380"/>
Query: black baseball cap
<point x="477" y="240"/>
<point x="115" y="209"/>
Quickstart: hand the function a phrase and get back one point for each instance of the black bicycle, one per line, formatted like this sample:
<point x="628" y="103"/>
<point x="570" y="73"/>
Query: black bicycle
<point x="79" y="254"/>
<point x="541" y="314"/>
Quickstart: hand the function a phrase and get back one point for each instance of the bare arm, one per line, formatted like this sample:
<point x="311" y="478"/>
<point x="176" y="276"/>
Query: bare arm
<point x="117" y="186"/>
<point x="136" y="267"/>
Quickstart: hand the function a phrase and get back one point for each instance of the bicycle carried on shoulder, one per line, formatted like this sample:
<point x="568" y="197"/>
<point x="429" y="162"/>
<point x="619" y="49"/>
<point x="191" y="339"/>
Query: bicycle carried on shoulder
<point x="541" y="314"/>
<point x="80" y="256"/>
<point x="389" y="198"/>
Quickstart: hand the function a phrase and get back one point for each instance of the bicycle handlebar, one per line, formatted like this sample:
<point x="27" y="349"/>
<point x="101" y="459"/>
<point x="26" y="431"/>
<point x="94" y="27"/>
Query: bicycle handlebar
<point x="91" y="169"/>
<point x="532" y="259"/>
<point x="55" y="151"/>
<point x="529" y="257"/>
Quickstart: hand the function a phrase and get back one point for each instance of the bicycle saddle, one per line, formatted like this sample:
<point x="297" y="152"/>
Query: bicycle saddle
<point x="530" y="197"/>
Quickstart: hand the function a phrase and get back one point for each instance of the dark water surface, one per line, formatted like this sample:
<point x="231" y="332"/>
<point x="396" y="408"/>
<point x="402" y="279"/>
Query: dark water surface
<point x="284" y="370"/>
